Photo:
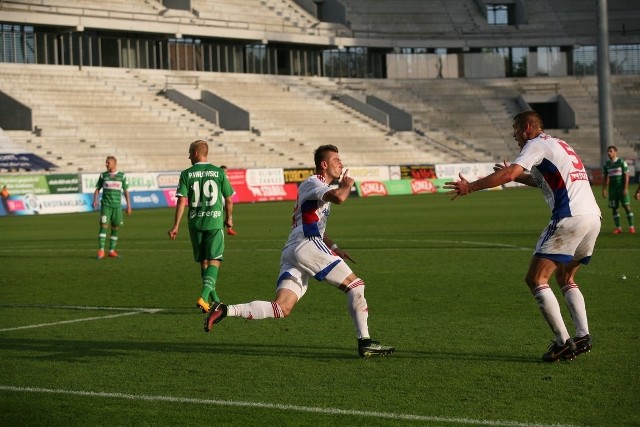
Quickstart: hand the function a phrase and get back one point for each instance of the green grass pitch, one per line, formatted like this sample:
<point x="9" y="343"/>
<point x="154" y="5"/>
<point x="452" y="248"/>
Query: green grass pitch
<point x="119" y="341"/>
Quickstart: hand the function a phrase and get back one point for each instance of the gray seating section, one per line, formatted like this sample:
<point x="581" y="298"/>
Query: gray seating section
<point x="85" y="115"/>
<point x="82" y="115"/>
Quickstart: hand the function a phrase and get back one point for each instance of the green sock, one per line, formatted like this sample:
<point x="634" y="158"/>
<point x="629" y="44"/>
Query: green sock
<point x="630" y="218"/>
<point x="616" y="220"/>
<point x="102" y="237"/>
<point x="113" y="240"/>
<point x="209" y="278"/>
<point x="208" y="298"/>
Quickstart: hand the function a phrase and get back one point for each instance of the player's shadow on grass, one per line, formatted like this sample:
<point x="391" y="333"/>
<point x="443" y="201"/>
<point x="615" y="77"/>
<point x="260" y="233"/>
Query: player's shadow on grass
<point x="83" y="350"/>
<point x="86" y="351"/>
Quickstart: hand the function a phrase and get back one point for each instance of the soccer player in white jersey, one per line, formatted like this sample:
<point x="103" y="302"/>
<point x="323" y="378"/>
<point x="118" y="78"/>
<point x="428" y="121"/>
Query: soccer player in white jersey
<point x="568" y="241"/>
<point x="310" y="253"/>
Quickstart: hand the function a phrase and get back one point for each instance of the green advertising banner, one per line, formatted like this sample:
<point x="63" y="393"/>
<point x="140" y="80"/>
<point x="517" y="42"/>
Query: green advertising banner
<point x="59" y="184"/>
<point x="25" y="184"/>
<point x="439" y="183"/>
<point x="400" y="187"/>
<point x="41" y="184"/>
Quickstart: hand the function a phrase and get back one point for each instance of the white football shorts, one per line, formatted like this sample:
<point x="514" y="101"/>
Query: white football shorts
<point x="310" y="258"/>
<point x="569" y="239"/>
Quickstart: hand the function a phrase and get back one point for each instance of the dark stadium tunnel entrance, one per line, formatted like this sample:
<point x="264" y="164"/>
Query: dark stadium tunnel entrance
<point x="549" y="113"/>
<point x="554" y="109"/>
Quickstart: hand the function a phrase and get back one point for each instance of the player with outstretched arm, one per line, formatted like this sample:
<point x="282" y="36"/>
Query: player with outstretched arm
<point x="568" y="240"/>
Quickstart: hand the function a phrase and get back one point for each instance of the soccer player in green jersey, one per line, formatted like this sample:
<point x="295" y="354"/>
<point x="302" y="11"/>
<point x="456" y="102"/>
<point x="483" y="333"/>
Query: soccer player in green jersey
<point x="113" y="184"/>
<point x="207" y="192"/>
<point x="616" y="180"/>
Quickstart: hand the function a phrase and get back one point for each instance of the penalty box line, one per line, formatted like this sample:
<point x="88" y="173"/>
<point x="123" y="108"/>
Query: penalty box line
<point x="127" y="312"/>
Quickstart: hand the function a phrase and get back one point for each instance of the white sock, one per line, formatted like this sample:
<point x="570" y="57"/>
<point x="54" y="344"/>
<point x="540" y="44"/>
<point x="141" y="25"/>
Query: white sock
<point x="548" y="304"/>
<point x="577" y="308"/>
<point x="358" y="309"/>
<point x="255" y="310"/>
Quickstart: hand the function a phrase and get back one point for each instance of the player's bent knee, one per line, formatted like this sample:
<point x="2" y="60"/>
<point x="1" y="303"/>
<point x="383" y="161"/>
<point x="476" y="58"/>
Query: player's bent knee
<point x="355" y="295"/>
<point x="286" y="310"/>
<point x="531" y="282"/>
<point x="355" y="284"/>
<point x="287" y="297"/>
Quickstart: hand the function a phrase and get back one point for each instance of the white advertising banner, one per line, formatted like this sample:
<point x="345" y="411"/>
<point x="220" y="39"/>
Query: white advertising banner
<point x="369" y="173"/>
<point x="137" y="181"/>
<point x="471" y="171"/>
<point x="260" y="177"/>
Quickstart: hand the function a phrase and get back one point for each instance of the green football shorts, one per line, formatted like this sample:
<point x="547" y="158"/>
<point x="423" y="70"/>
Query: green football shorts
<point x="109" y="215"/>
<point x="616" y="197"/>
<point x="207" y="244"/>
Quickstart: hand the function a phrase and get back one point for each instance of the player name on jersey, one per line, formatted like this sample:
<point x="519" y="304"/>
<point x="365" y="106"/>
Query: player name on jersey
<point x="203" y="174"/>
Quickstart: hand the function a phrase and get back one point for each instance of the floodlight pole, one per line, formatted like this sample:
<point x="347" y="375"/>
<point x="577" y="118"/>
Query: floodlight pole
<point x="604" y="84"/>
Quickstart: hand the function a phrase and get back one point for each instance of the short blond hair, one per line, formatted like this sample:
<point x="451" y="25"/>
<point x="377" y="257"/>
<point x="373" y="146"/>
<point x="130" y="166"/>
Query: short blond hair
<point x="200" y="146"/>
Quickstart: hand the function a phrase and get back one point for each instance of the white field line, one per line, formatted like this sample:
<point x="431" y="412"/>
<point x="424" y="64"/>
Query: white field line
<point x="84" y="319"/>
<point x="276" y="406"/>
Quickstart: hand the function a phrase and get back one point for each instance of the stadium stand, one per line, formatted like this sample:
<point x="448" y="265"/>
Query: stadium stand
<point x="83" y="112"/>
<point x="538" y="22"/>
<point x="84" y="115"/>
<point x="227" y="18"/>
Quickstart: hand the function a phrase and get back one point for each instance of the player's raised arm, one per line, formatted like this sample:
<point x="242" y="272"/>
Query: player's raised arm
<point x="341" y="193"/>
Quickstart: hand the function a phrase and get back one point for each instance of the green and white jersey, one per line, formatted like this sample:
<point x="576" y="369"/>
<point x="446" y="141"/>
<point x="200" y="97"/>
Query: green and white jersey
<point x="616" y="172"/>
<point x="205" y="186"/>
<point x="112" y="185"/>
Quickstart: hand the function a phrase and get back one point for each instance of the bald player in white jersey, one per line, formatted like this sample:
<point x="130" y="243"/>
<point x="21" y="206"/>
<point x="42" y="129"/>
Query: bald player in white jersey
<point x="568" y="240"/>
<point x="310" y="253"/>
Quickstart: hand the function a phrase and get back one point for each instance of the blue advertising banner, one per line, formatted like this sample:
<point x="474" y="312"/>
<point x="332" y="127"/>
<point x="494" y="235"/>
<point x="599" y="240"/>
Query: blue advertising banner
<point x="31" y="204"/>
<point x="43" y="204"/>
<point x="24" y="161"/>
<point x="149" y="199"/>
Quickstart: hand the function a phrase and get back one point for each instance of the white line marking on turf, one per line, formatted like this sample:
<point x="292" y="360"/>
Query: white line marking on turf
<point x="283" y="407"/>
<point x="84" y="319"/>
<point x="85" y="307"/>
